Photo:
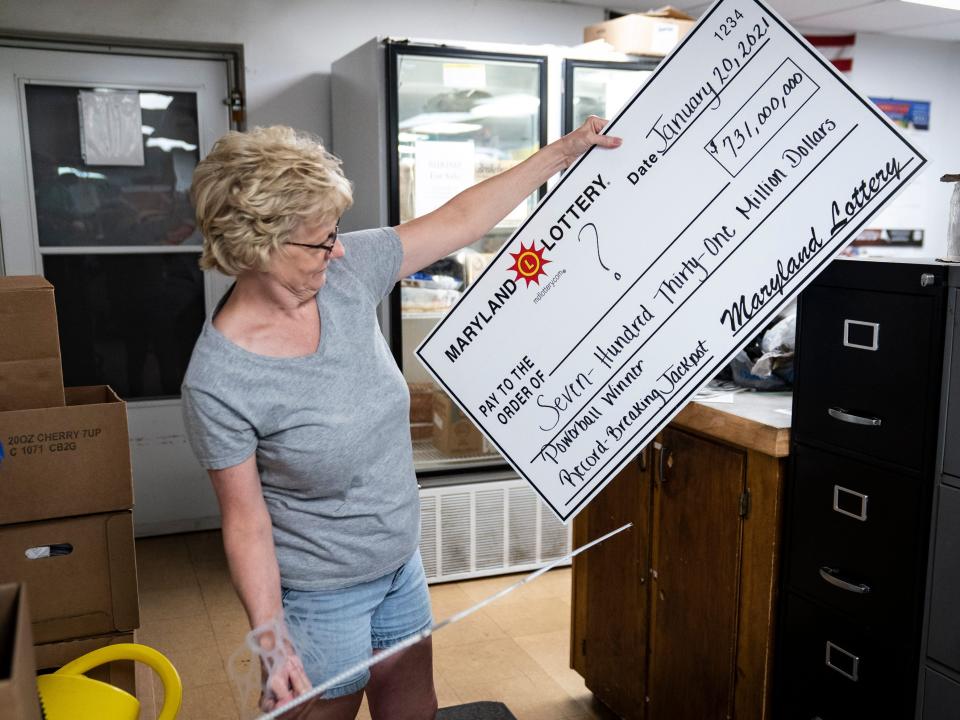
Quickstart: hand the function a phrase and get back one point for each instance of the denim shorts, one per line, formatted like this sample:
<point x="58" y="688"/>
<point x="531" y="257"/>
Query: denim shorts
<point x="337" y="629"/>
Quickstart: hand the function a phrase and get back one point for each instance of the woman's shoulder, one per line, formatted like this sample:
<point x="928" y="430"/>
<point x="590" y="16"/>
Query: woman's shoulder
<point x="375" y="233"/>
<point x="370" y="237"/>
<point x="373" y="256"/>
<point x="208" y="360"/>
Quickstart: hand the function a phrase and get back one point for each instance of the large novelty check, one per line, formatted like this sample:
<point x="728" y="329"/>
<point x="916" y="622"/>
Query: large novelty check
<point x="747" y="164"/>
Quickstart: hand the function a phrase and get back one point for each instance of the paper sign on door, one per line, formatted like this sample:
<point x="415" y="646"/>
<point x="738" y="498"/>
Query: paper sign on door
<point x="747" y="164"/>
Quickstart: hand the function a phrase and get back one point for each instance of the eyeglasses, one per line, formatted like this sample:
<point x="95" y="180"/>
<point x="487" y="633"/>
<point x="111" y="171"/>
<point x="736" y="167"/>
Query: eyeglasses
<point x="327" y="247"/>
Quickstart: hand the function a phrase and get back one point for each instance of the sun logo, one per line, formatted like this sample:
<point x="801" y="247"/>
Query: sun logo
<point x="528" y="264"/>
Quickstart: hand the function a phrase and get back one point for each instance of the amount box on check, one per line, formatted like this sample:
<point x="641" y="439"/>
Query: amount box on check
<point x="761" y="117"/>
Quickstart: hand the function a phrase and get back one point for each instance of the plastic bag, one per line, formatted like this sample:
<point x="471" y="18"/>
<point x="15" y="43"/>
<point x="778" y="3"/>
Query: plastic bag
<point x="265" y="651"/>
<point x="766" y="363"/>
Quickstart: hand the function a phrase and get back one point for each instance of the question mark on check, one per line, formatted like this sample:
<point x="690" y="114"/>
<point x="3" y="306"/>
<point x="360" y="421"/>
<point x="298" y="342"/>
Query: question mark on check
<point x="596" y="238"/>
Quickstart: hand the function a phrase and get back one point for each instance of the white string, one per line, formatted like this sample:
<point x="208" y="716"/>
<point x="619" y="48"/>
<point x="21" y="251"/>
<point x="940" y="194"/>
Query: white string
<point x="422" y="635"/>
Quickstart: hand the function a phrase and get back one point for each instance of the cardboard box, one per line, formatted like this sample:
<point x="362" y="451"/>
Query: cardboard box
<point x="50" y="657"/>
<point x="30" y="372"/>
<point x="72" y="460"/>
<point x="453" y="432"/>
<point x="81" y="573"/>
<point x="421" y="431"/>
<point x="655" y="32"/>
<point x="18" y="677"/>
<point x="421" y="402"/>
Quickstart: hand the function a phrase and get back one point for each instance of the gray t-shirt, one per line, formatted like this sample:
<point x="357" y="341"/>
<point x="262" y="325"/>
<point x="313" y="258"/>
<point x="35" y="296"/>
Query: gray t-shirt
<point x="331" y="430"/>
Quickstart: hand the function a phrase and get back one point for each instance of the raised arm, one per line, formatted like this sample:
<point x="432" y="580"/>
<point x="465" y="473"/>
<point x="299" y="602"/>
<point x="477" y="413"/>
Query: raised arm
<point x="470" y="215"/>
<point x="248" y="544"/>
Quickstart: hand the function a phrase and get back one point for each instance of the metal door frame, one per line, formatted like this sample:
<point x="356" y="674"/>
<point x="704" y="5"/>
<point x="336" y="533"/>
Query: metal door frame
<point x="230" y="53"/>
<point x="394" y="50"/>
<point x="571" y="65"/>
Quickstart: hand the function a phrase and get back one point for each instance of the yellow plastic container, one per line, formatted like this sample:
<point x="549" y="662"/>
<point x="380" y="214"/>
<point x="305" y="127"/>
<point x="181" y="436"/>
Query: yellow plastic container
<point x="68" y="694"/>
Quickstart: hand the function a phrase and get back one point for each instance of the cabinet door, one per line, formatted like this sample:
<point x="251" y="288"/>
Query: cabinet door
<point x="951" y="450"/>
<point x="855" y="546"/>
<point x="941" y="697"/>
<point x="943" y="638"/>
<point x="696" y="576"/>
<point x="878" y="338"/>
<point x="833" y="667"/>
<point x="615" y="621"/>
<point x="578" y="608"/>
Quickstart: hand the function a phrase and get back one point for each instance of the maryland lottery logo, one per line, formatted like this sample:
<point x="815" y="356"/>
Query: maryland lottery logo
<point x="528" y="264"/>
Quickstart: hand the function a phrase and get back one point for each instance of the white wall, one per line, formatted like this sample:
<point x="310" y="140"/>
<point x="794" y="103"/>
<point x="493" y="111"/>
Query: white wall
<point x="290" y="45"/>
<point x="915" y="69"/>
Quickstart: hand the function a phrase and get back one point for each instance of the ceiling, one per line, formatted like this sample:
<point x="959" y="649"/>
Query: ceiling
<point x="892" y="17"/>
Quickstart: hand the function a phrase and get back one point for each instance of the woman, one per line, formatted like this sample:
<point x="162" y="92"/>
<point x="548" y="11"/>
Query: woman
<point x="296" y="408"/>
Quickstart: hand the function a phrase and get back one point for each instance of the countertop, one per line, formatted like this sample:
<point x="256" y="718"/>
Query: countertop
<point x="755" y="420"/>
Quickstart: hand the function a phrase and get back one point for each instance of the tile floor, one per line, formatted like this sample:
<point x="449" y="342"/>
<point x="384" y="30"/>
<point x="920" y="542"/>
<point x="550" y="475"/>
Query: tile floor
<point x="514" y="651"/>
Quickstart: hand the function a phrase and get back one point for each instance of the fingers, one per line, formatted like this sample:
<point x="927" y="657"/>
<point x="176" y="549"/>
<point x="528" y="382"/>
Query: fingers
<point x="576" y="143"/>
<point x="298" y="677"/>
<point x="268" y="701"/>
<point x="609" y="141"/>
<point x="291" y="682"/>
<point x="283" y="684"/>
<point x="281" y="690"/>
<point x="594" y="125"/>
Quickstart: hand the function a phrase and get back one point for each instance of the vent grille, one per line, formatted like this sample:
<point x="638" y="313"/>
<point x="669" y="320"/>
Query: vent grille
<point x="523" y="526"/>
<point x="455" y="533"/>
<point x="554" y="536"/>
<point x="487" y="528"/>
<point x="428" y="535"/>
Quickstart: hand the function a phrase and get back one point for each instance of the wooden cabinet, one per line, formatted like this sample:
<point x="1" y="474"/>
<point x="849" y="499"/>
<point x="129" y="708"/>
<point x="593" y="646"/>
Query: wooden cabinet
<point x="611" y="620"/>
<point x="671" y="619"/>
<point x="695" y="572"/>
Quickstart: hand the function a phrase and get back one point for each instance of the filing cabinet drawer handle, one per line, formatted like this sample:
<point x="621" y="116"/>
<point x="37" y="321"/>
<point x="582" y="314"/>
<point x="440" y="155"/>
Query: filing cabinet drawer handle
<point x="845" y="496"/>
<point x="848" y="658"/>
<point x="832" y="576"/>
<point x="843" y="415"/>
<point x="861" y="329"/>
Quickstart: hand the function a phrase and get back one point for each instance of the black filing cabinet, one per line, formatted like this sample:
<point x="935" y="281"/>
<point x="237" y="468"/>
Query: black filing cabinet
<point x="939" y="696"/>
<point x="867" y="416"/>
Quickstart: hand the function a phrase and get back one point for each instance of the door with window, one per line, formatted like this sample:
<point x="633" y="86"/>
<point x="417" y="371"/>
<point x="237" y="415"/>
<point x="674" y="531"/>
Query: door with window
<point x="95" y="170"/>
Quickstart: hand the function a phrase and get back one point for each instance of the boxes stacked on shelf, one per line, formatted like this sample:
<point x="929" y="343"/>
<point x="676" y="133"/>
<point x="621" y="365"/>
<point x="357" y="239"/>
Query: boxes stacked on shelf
<point x="453" y="432"/>
<point x="655" y="32"/>
<point x="18" y="674"/>
<point x="421" y="410"/>
<point x="66" y="493"/>
<point x="30" y="374"/>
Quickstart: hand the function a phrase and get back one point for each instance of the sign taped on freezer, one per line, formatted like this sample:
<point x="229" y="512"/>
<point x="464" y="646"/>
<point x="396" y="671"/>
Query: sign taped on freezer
<point x="747" y="164"/>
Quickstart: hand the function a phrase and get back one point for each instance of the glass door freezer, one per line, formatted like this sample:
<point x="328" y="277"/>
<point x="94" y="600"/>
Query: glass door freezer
<point x="414" y="125"/>
<point x="600" y="87"/>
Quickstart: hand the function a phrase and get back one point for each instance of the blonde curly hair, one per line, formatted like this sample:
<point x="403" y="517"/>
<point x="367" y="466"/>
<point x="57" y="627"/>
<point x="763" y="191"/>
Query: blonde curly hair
<point x="256" y="187"/>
